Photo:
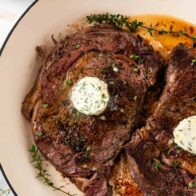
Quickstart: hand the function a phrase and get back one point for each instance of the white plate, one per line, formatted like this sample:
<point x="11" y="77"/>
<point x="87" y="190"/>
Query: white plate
<point x="18" y="71"/>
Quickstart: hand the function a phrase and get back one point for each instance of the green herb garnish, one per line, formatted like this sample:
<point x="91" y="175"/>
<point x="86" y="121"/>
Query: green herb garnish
<point x="157" y="164"/>
<point x="117" y="20"/>
<point x="43" y="174"/>
<point x="181" y="33"/>
<point x="193" y="62"/>
<point x="120" y="21"/>
<point x="176" y="146"/>
<point x="136" y="58"/>
<point x="39" y="133"/>
<point x="87" y="153"/>
<point x="181" y="142"/>
<point x="104" y="96"/>
<point x="5" y="192"/>
<point x="77" y="45"/>
<point x="192" y="185"/>
<point x="150" y="30"/>
<point x="69" y="82"/>
<point x="75" y="113"/>
<point x="162" y="32"/>
<point x="193" y="38"/>
<point x="45" y="106"/>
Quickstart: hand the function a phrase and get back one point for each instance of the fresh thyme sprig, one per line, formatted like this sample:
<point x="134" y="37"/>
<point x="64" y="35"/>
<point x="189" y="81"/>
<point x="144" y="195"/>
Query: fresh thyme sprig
<point x="120" y="21"/>
<point x="4" y="192"/>
<point x="43" y="174"/>
<point x="117" y="20"/>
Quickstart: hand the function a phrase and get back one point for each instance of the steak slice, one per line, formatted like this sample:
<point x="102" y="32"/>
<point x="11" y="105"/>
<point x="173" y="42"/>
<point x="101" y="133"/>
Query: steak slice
<point x="158" y="166"/>
<point x="84" y="147"/>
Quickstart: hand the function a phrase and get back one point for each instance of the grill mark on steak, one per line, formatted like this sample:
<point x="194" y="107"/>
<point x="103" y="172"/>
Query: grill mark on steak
<point x="155" y="163"/>
<point x="99" y="47"/>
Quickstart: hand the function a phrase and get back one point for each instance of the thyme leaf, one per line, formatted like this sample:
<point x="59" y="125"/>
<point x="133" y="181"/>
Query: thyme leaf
<point x="87" y="154"/>
<point x="69" y="82"/>
<point x="162" y="32"/>
<point x="39" y="133"/>
<point x="136" y="58"/>
<point x="45" y="106"/>
<point x="42" y="173"/>
<point x="191" y="185"/>
<point x="193" y="62"/>
<point x="157" y="164"/>
<point x="150" y="30"/>
<point x="4" y="192"/>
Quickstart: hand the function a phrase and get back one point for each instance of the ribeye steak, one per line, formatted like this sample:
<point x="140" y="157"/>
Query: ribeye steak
<point x="159" y="166"/>
<point x="84" y="147"/>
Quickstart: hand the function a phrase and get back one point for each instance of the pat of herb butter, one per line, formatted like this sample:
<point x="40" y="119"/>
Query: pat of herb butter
<point x="90" y="96"/>
<point x="185" y="134"/>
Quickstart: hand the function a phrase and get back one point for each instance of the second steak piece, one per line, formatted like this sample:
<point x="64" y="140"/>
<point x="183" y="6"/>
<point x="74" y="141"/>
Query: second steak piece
<point x="160" y="167"/>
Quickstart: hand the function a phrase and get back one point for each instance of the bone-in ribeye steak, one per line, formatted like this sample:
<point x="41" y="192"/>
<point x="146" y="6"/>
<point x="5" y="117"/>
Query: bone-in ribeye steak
<point x="84" y="147"/>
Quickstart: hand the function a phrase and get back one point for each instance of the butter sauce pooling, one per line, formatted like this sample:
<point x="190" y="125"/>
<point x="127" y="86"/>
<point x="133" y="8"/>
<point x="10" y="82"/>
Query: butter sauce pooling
<point x="161" y="22"/>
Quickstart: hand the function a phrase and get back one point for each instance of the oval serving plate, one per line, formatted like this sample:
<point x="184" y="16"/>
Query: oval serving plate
<point x="18" y="70"/>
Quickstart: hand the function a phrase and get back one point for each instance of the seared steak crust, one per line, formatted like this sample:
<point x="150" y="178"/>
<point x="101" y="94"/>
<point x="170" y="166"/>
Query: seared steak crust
<point x="84" y="147"/>
<point x="157" y="165"/>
